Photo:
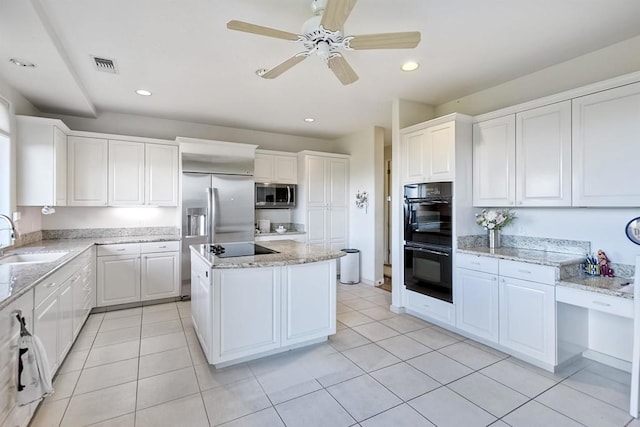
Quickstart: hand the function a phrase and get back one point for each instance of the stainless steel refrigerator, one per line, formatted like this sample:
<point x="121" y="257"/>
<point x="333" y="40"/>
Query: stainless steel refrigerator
<point x="216" y="207"/>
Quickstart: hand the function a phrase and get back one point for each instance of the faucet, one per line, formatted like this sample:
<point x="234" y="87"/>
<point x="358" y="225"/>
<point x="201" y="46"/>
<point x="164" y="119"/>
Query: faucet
<point x="14" y="232"/>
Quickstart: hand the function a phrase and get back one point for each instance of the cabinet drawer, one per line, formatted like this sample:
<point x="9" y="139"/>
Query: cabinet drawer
<point x="120" y="249"/>
<point x="151" y="247"/>
<point x="531" y="272"/>
<point x="431" y="307"/>
<point x="477" y="262"/>
<point x="595" y="301"/>
<point x="49" y="285"/>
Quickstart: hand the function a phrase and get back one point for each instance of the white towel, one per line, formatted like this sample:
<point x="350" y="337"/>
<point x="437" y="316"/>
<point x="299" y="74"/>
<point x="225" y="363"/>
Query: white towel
<point x="34" y="376"/>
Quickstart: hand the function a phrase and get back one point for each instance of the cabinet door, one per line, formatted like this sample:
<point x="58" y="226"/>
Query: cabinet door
<point x="317" y="225"/>
<point x="494" y="160"/>
<point x="160" y="276"/>
<point x="118" y="279"/>
<point x="316" y="181"/>
<point x="161" y="175"/>
<point x="440" y="152"/>
<point x="247" y="304"/>
<point x="527" y="318"/>
<point x="126" y="173"/>
<point x="285" y="170"/>
<point x="60" y="166"/>
<point x="477" y="303"/>
<point x="543" y="156"/>
<point x="338" y="183"/>
<point x="45" y="326"/>
<point x="605" y="147"/>
<point x="87" y="171"/>
<point x="338" y="219"/>
<point x="263" y="168"/>
<point x="309" y="300"/>
<point x="65" y="318"/>
<point x="413" y="157"/>
<point x="201" y="304"/>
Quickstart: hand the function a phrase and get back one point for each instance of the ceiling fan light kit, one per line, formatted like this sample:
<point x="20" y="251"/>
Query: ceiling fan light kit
<point x="322" y="36"/>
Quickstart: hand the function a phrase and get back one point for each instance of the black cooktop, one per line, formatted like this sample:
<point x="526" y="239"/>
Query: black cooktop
<point x="230" y="250"/>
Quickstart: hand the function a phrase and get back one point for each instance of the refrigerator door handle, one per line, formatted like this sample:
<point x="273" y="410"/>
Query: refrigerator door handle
<point x="211" y="214"/>
<point x="288" y="195"/>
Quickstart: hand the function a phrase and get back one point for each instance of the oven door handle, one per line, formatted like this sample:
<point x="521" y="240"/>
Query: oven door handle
<point x="429" y="251"/>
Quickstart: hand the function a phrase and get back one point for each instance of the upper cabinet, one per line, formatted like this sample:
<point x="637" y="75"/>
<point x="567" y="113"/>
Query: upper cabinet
<point x="161" y="175"/>
<point x="524" y="159"/>
<point x="87" y="171"/>
<point x="428" y="154"/>
<point x="276" y="167"/>
<point x="41" y="159"/>
<point x="606" y="126"/>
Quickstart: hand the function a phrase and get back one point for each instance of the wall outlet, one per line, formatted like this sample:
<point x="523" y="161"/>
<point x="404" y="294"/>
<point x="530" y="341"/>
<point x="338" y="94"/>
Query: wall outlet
<point x="16" y="216"/>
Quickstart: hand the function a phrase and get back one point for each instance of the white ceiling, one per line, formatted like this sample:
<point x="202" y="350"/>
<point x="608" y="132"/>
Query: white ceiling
<point x="201" y="72"/>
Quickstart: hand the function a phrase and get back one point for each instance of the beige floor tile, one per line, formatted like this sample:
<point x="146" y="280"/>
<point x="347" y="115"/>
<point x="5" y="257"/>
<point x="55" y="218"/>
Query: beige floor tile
<point x="342" y="308"/>
<point x="74" y="361"/>
<point x="404" y="324"/>
<point x="583" y="408"/>
<point x="162" y="343"/>
<point x="160" y="316"/>
<point x="375" y="331"/>
<point x="363" y="397"/>
<point x="186" y="411"/>
<point x="382" y="300"/>
<point x="378" y="313"/>
<point x="371" y="357"/>
<point x="432" y="338"/>
<point x="93" y="322"/>
<point x="315" y="409"/>
<point x="340" y="326"/>
<point x="49" y="413"/>
<point x="447" y="409"/>
<point x="440" y="367"/>
<point x="90" y="408"/>
<point x="154" y="308"/>
<point x="264" y="418"/>
<point x="127" y="420"/>
<point x="470" y="356"/>
<point x="335" y="369"/>
<point x="346" y="339"/>
<point x="210" y="377"/>
<point x="112" y="353"/>
<point x="400" y="416"/>
<point x="534" y="414"/>
<point x="120" y="323"/>
<point x="64" y="384"/>
<point x="197" y="355"/>
<point x="233" y="401"/>
<point x="405" y="381"/>
<point x="166" y="387"/>
<point x="161" y="328"/>
<point x="519" y="378"/>
<point x="603" y="388"/>
<point x="403" y="347"/>
<point x="353" y="318"/>
<point x="359" y="304"/>
<point x="490" y="395"/>
<point x="166" y="361"/>
<point x="108" y="375"/>
<point x="123" y="313"/>
<point x="117" y="336"/>
<point x="84" y="341"/>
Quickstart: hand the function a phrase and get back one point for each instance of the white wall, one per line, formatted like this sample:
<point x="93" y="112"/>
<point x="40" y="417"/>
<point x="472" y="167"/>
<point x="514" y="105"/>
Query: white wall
<point x="365" y="174"/>
<point x="110" y="217"/>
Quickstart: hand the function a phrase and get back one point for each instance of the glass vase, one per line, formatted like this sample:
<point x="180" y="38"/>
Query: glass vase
<point x="494" y="238"/>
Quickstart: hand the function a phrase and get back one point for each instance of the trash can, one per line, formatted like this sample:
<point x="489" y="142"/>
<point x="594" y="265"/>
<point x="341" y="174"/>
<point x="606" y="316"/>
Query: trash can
<point x="350" y="266"/>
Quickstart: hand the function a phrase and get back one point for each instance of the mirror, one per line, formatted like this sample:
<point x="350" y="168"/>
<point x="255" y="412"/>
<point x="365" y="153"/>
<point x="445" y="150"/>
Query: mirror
<point x="633" y="230"/>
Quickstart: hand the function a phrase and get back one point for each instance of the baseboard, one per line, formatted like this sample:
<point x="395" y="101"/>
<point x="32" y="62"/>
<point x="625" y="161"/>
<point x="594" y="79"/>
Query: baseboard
<point x="605" y="359"/>
<point x="397" y="310"/>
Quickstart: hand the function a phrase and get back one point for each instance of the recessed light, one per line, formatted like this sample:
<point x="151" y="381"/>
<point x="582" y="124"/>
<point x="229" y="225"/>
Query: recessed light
<point x="410" y="66"/>
<point x="309" y="120"/>
<point x="143" y="92"/>
<point x="22" y="63"/>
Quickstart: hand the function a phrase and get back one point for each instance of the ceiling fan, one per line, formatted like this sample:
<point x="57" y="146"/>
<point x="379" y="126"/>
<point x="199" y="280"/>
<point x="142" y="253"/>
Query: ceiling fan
<point x="322" y="36"/>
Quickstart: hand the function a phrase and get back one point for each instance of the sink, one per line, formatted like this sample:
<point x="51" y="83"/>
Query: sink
<point x="32" y="258"/>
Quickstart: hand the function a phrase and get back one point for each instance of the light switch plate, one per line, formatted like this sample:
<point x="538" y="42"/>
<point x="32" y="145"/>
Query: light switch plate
<point x="16" y="216"/>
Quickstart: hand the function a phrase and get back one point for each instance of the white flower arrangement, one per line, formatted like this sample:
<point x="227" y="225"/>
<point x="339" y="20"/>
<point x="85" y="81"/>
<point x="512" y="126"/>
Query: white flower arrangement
<point x="495" y="219"/>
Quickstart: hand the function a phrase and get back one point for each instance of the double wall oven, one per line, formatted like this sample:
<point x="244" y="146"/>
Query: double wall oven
<point x="428" y="239"/>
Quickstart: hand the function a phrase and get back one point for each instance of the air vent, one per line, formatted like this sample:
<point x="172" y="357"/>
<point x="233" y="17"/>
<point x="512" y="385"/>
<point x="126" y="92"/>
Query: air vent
<point x="105" y="65"/>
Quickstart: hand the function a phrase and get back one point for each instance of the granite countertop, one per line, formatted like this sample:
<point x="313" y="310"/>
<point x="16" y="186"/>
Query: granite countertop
<point x="614" y="286"/>
<point x="290" y="253"/>
<point x="17" y="279"/>
<point x="286" y="233"/>
<point x="533" y="256"/>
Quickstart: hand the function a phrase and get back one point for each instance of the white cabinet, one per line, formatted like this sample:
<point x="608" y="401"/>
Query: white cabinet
<point x="142" y="272"/>
<point x="476" y="296"/>
<point x="84" y="289"/>
<point x="202" y="304"/>
<point x="275" y="167"/>
<point x="41" y="161"/>
<point x="494" y="161"/>
<point x="126" y="173"/>
<point x="87" y="171"/>
<point x="161" y="175"/>
<point x="543" y="156"/>
<point x="430" y="308"/>
<point x="524" y="159"/>
<point x="428" y="155"/>
<point x="605" y="147"/>
<point x="295" y="237"/>
<point x="65" y="316"/>
<point x="323" y="198"/>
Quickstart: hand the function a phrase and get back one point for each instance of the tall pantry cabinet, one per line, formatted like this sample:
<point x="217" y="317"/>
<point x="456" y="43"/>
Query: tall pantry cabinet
<point x="323" y="191"/>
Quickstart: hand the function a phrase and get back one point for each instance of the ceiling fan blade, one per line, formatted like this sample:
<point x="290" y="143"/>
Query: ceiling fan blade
<point x="336" y="13"/>
<point x="281" y="68"/>
<point x="260" y="30"/>
<point x="343" y="70"/>
<point x="405" y="40"/>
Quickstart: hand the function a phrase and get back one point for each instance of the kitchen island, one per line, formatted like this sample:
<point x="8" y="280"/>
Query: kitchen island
<point x="247" y="307"/>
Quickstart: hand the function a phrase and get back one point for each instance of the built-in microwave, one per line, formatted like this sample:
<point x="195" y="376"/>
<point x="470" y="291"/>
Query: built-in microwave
<point x="275" y="196"/>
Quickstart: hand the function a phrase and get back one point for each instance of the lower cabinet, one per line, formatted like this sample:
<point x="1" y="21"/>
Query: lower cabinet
<point x="202" y="304"/>
<point x="430" y="308"/>
<point x="477" y="303"/>
<point x="141" y="272"/>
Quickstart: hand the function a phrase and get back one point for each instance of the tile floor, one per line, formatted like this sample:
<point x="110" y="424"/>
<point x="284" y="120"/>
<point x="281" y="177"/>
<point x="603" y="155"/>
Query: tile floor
<point x="144" y="367"/>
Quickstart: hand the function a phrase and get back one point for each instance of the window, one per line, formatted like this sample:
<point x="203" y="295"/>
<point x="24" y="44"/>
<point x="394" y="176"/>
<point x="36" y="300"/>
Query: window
<point x="5" y="167"/>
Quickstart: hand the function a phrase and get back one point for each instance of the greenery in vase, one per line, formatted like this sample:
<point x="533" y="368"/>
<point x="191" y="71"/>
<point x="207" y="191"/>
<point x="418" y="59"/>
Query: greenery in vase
<point x="495" y="219"/>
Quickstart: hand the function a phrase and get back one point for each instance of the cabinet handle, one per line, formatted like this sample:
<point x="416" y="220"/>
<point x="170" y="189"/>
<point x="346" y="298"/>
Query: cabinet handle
<point x="495" y="279"/>
<point x="475" y="263"/>
<point x="426" y="306"/>
<point x="50" y="285"/>
<point x="162" y="247"/>
<point x="604" y="304"/>
<point x="503" y="281"/>
<point x="120" y="250"/>
<point x="524" y="271"/>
